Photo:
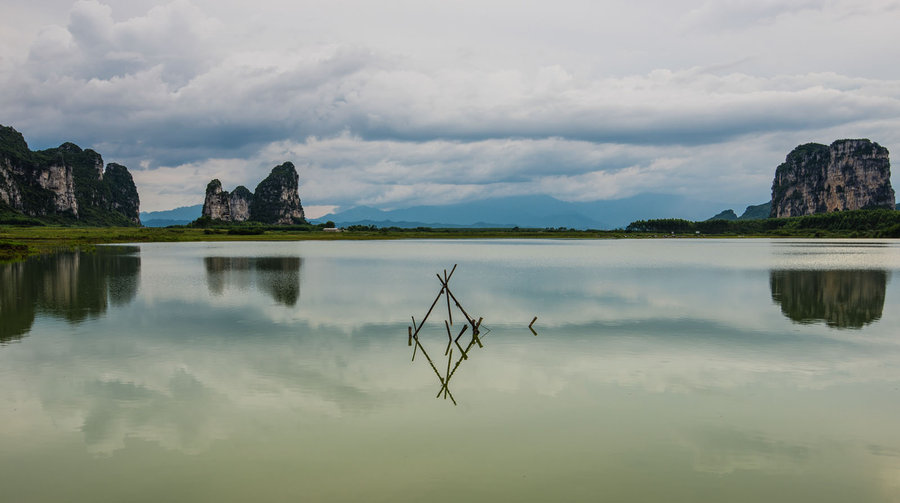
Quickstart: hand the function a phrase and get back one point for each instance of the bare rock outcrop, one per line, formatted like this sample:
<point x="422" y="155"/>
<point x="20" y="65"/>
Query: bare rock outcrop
<point x="227" y="206"/>
<point x="847" y="175"/>
<point x="215" y="204"/>
<point x="239" y="200"/>
<point x="275" y="201"/>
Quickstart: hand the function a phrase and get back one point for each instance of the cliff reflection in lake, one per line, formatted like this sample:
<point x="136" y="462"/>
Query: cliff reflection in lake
<point x="842" y="299"/>
<point x="73" y="286"/>
<point x="279" y="277"/>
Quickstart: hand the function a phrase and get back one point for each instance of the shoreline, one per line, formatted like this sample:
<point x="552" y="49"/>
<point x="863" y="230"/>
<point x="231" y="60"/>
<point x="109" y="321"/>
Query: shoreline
<point x="19" y="243"/>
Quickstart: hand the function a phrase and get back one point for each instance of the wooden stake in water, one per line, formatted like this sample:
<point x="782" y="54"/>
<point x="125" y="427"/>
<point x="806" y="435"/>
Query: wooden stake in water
<point x="449" y="311"/>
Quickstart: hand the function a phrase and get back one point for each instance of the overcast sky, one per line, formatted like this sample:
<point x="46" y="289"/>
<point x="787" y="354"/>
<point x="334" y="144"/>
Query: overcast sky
<point x="396" y="103"/>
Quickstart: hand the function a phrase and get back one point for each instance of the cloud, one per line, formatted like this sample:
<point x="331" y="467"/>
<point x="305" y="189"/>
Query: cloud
<point x="95" y="46"/>
<point x="177" y="90"/>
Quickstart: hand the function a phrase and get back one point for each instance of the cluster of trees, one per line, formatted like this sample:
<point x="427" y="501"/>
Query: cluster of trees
<point x="857" y="223"/>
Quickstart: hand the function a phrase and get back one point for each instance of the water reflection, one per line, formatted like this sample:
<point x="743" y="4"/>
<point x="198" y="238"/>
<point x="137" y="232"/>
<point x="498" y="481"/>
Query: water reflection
<point x="69" y="285"/>
<point x="842" y="299"/>
<point x="279" y="277"/>
<point x="679" y="374"/>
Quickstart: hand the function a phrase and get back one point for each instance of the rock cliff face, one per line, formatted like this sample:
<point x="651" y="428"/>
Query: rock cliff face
<point x="65" y="184"/>
<point x="239" y="201"/>
<point x="225" y="206"/>
<point x="123" y="195"/>
<point x="275" y="201"/>
<point x="215" y="204"/>
<point x="848" y="175"/>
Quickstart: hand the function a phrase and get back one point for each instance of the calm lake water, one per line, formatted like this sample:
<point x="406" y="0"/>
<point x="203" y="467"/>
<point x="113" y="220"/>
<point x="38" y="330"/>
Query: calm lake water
<point x="662" y="370"/>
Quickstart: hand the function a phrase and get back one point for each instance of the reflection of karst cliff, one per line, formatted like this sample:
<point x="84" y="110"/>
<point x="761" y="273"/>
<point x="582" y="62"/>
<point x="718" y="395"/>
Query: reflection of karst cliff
<point x="279" y="277"/>
<point x="70" y="285"/>
<point x="842" y="299"/>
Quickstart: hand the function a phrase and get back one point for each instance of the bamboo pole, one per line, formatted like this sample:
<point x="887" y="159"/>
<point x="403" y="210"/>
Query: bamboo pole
<point x="449" y="311"/>
<point x="463" y="311"/>
<point x="456" y="341"/>
<point x="436" y="299"/>
<point x="447" y="379"/>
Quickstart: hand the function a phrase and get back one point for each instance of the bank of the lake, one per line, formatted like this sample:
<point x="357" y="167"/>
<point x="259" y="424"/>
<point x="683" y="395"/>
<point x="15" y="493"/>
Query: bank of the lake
<point x="19" y="242"/>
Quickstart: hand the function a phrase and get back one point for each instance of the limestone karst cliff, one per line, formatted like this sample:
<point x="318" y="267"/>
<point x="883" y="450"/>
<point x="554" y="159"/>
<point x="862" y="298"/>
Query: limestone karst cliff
<point x="275" y="201"/>
<point x="64" y="184"/>
<point x="847" y="175"/>
<point x="227" y="207"/>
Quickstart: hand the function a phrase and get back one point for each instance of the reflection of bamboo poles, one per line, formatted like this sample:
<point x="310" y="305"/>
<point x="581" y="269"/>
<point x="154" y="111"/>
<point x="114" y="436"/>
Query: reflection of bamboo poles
<point x="436" y="372"/>
<point x="447" y="375"/>
<point x="456" y="341"/>
<point x="464" y="351"/>
<point x="449" y="337"/>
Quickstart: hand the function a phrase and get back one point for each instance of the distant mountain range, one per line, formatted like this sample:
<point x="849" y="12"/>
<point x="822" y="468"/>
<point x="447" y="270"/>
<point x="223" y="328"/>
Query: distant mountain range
<point x="179" y="216"/>
<point x="516" y="211"/>
<point x="531" y="211"/>
<point x="521" y="211"/>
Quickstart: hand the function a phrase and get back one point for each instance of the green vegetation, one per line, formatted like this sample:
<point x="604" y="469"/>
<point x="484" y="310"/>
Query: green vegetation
<point x="13" y="144"/>
<point x="757" y="211"/>
<point x="20" y="238"/>
<point x="103" y="199"/>
<point x="18" y="242"/>
<point x="876" y="223"/>
<point x="725" y="215"/>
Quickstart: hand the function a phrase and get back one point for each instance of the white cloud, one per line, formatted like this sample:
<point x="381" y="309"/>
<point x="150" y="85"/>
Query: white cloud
<point x="542" y="101"/>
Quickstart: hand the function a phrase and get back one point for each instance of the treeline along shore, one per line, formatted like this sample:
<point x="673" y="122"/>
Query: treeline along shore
<point x="20" y="241"/>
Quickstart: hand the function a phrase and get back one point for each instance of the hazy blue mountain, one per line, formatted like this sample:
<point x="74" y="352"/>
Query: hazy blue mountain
<point x="532" y="211"/>
<point x="179" y="216"/>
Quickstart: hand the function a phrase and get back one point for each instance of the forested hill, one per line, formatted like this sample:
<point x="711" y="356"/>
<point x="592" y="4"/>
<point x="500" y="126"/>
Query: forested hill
<point x="63" y="185"/>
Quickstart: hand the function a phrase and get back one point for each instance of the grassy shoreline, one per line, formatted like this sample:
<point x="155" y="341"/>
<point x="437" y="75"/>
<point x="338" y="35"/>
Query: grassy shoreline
<point x="17" y="243"/>
<point x="20" y="242"/>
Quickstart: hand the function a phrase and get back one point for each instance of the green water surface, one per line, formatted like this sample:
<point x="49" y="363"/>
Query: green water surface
<point x="662" y="370"/>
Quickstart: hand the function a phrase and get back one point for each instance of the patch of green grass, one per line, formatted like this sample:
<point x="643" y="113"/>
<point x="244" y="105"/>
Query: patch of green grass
<point x="20" y="241"/>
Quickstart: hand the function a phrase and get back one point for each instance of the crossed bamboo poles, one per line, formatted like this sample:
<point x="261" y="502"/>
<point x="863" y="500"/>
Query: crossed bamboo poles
<point x="470" y="322"/>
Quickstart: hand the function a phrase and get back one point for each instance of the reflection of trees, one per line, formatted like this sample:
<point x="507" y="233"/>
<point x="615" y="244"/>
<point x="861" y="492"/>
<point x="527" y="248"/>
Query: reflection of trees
<point x="17" y="281"/>
<point x="69" y="285"/>
<point x="843" y="299"/>
<point x="279" y="277"/>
